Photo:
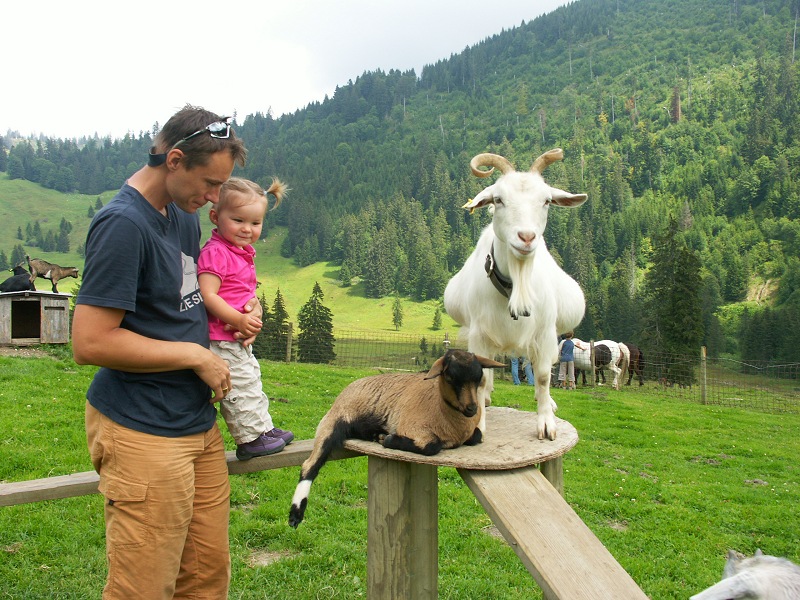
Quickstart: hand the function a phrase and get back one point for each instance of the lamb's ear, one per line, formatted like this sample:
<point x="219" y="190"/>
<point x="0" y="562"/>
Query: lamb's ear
<point x="758" y="552"/>
<point x="436" y="369"/>
<point x="488" y="363"/>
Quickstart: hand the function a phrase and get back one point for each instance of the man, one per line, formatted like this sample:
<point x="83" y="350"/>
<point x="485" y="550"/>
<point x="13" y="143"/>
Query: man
<point x="150" y="419"/>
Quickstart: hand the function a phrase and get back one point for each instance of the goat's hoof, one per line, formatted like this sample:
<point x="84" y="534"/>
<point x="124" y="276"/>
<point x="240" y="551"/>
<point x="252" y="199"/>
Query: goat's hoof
<point x="550" y="434"/>
<point x="546" y="428"/>
<point x="296" y="514"/>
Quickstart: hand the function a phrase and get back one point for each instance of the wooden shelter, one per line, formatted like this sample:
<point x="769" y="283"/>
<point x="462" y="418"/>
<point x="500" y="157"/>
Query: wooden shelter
<point x="30" y="317"/>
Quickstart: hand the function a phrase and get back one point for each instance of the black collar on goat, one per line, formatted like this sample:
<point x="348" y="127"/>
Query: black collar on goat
<point x="501" y="283"/>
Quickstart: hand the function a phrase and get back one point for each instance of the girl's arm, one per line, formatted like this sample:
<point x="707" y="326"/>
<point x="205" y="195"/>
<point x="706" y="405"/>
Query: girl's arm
<point x="246" y="323"/>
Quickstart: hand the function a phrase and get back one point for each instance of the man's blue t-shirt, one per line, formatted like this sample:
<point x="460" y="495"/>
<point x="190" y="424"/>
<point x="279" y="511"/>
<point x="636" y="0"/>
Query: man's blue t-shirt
<point x="145" y="263"/>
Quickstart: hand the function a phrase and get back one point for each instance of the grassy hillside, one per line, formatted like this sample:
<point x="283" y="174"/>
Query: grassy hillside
<point x="23" y="202"/>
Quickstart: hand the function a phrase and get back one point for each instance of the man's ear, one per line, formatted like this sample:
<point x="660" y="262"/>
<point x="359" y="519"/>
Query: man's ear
<point x="174" y="158"/>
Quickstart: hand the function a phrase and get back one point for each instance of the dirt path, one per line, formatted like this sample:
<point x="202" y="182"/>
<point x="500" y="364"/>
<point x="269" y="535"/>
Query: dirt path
<point x="24" y="351"/>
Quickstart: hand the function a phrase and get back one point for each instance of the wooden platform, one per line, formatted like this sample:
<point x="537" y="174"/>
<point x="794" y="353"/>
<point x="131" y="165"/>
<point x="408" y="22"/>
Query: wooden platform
<point x="509" y="443"/>
<point x="562" y="554"/>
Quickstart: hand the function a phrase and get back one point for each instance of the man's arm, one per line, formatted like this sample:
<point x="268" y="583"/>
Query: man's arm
<point x="98" y="339"/>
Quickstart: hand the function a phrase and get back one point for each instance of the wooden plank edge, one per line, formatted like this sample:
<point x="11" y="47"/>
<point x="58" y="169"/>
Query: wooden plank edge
<point x="559" y="550"/>
<point x="85" y="483"/>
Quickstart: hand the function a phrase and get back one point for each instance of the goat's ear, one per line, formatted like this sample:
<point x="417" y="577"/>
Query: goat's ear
<point x="565" y="199"/>
<point x="486" y="197"/>
<point x="436" y="369"/>
<point x="488" y="363"/>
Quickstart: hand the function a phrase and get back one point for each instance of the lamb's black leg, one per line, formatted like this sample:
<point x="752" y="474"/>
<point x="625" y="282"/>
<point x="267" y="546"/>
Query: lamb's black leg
<point x="477" y="438"/>
<point x="399" y="442"/>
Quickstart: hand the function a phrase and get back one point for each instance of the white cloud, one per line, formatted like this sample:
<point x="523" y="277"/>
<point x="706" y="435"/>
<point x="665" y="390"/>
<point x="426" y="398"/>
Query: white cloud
<point x="77" y="68"/>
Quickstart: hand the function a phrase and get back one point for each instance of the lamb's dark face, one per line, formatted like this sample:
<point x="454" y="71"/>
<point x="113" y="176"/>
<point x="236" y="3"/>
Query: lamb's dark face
<point x="461" y="375"/>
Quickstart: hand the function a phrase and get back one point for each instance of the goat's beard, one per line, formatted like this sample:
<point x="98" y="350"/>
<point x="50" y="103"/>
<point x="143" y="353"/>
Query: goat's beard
<point x="521" y="301"/>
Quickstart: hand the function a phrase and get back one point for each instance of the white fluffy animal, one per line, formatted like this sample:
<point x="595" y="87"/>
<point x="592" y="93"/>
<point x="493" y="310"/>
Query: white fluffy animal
<point x="760" y="577"/>
<point x="511" y="296"/>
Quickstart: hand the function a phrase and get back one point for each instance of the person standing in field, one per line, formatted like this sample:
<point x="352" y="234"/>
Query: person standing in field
<point x="150" y="416"/>
<point x="515" y="370"/>
<point x="566" y="370"/>
<point x="227" y="277"/>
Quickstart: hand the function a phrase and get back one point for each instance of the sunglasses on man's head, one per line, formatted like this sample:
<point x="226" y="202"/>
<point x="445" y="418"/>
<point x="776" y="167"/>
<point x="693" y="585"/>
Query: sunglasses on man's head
<point x="218" y="129"/>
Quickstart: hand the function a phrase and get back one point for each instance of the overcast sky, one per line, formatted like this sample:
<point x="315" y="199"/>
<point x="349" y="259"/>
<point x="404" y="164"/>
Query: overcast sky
<point x="75" y="68"/>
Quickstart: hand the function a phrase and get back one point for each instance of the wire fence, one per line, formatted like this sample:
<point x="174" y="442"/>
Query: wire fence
<point x="714" y="381"/>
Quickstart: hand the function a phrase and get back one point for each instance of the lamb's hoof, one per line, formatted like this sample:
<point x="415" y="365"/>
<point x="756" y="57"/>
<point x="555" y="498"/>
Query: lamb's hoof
<point x="296" y="514"/>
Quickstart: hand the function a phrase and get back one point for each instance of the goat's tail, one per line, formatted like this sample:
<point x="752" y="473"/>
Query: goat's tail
<point x="329" y="437"/>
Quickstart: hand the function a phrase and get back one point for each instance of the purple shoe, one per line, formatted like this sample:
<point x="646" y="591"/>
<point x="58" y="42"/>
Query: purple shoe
<point x="283" y="434"/>
<point x="261" y="446"/>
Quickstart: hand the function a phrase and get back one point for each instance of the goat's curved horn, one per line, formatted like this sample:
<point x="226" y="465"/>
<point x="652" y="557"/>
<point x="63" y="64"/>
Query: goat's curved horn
<point x="489" y="160"/>
<point x="546" y="159"/>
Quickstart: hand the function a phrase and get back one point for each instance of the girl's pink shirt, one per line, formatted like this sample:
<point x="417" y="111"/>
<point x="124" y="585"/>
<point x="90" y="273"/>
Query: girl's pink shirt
<point x="236" y="270"/>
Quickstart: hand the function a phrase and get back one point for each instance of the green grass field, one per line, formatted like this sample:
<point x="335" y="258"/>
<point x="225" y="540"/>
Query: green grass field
<point x="667" y="485"/>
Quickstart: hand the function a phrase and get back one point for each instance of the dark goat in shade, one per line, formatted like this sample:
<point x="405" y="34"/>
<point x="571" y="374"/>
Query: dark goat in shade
<point x="415" y="412"/>
<point x="19" y="282"/>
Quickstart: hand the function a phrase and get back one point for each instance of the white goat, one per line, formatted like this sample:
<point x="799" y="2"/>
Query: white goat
<point x="511" y="296"/>
<point x="415" y="412"/>
<point x="760" y="577"/>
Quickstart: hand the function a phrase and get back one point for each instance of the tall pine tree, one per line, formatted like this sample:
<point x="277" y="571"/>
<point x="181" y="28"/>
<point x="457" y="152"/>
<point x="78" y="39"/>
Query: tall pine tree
<point x="675" y="306"/>
<point x="276" y="330"/>
<point x="397" y="313"/>
<point x="261" y="343"/>
<point x="316" y="339"/>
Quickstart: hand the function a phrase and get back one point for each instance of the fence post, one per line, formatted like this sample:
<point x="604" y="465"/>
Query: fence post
<point x="289" y="344"/>
<point x="591" y="363"/>
<point x="703" y="374"/>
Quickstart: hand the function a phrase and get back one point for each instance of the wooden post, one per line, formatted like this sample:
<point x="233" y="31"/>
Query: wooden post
<point x="289" y="344"/>
<point x="591" y="362"/>
<point x="553" y="471"/>
<point x="703" y="375"/>
<point x="402" y="530"/>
